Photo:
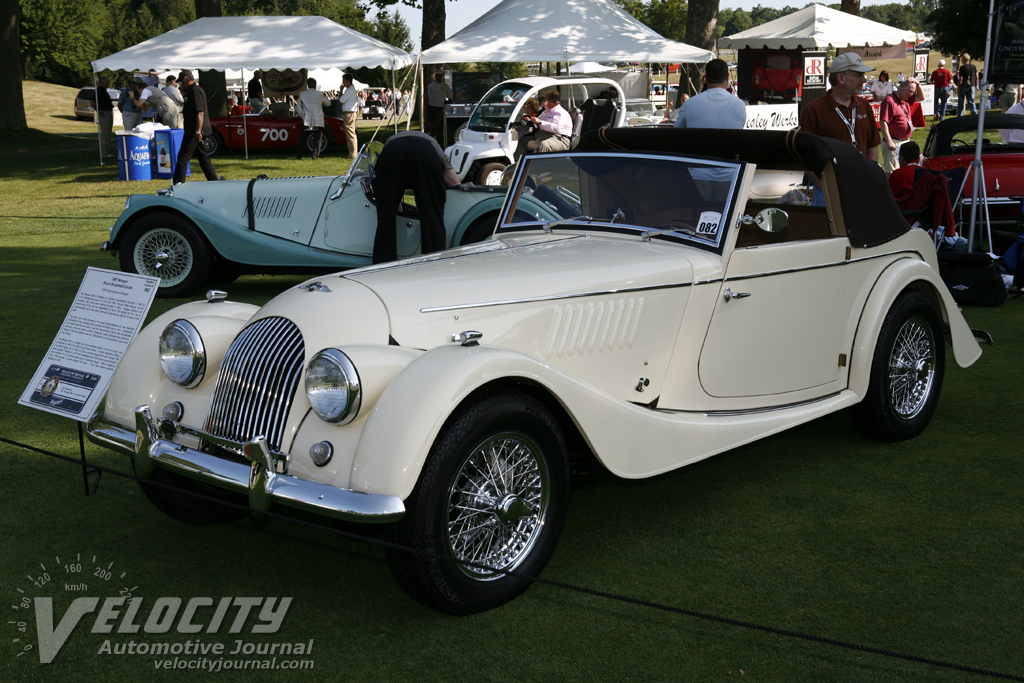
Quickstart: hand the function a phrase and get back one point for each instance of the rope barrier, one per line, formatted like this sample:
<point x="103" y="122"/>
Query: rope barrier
<point x="640" y="602"/>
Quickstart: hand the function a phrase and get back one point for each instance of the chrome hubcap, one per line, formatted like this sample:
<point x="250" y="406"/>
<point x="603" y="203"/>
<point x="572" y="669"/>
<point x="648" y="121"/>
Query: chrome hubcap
<point x="497" y="505"/>
<point x="912" y="368"/>
<point x="164" y="253"/>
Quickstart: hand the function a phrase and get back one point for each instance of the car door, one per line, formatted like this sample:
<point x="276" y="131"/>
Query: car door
<point x="350" y="223"/>
<point x="779" y="321"/>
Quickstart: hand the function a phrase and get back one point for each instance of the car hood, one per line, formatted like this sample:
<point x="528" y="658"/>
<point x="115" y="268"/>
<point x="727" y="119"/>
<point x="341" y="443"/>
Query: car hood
<point x="495" y="285"/>
<point x="228" y="198"/>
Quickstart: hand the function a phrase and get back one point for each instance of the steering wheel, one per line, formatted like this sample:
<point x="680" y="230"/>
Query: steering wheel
<point x="960" y="142"/>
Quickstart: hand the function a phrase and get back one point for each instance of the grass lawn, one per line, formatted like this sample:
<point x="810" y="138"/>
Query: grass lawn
<point x="913" y="547"/>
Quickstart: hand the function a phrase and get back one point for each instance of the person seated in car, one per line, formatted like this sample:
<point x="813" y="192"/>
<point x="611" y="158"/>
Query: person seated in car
<point x="552" y="128"/>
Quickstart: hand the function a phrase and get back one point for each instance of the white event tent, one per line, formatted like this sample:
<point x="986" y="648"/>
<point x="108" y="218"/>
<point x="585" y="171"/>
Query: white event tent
<point x="816" y="27"/>
<point x="257" y="42"/>
<point x="560" y="31"/>
<point x="219" y="43"/>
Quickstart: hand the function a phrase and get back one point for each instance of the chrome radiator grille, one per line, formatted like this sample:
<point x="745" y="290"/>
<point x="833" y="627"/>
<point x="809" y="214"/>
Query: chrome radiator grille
<point x="257" y="382"/>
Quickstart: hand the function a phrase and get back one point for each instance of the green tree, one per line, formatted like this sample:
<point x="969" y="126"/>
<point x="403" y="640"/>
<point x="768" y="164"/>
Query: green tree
<point x="59" y="38"/>
<point x="731" y="21"/>
<point x="701" y="31"/>
<point x="893" y="14"/>
<point x="12" y="114"/>
<point x="958" y="26"/>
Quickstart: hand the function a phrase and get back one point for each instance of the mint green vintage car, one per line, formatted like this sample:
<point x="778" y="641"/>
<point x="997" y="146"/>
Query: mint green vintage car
<point x="200" y="232"/>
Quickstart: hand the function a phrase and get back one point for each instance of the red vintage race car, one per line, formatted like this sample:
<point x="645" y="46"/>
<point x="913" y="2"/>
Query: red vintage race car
<point x="268" y="131"/>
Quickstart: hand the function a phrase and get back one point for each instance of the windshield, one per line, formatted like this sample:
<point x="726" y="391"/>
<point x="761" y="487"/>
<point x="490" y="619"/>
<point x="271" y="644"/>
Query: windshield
<point x="661" y="197"/>
<point x="495" y="109"/>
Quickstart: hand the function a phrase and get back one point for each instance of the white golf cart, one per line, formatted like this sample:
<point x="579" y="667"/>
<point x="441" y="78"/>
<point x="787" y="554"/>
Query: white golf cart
<point x="485" y="146"/>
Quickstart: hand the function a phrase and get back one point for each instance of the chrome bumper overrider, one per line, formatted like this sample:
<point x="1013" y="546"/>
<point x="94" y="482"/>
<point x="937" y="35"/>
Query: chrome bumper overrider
<point x="150" y="445"/>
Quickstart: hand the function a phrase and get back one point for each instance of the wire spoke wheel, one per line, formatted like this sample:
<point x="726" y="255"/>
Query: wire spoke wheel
<point x="907" y="368"/>
<point x="166" y="254"/>
<point x="498" y="505"/>
<point x="491" y="499"/>
<point x="163" y="244"/>
<point x="911" y="368"/>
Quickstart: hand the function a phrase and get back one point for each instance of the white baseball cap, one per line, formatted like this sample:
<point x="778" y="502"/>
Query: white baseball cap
<point x="849" y="61"/>
<point x="942" y="62"/>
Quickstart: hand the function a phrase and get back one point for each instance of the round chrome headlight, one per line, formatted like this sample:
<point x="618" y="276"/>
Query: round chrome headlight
<point x="182" y="354"/>
<point x="332" y="387"/>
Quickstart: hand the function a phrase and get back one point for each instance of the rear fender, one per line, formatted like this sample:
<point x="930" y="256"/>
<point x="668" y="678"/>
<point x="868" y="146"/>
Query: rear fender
<point x="899" y="276"/>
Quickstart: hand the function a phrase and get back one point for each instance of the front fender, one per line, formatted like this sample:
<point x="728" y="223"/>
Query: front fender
<point x="899" y="276"/>
<point x="139" y="379"/>
<point x="409" y="415"/>
<point x="489" y="205"/>
<point x="232" y="240"/>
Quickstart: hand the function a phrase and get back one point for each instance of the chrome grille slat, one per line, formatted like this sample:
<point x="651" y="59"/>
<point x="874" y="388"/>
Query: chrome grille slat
<point x="257" y="381"/>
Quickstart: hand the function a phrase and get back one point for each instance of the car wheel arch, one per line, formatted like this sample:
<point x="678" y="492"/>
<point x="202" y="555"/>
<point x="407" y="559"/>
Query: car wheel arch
<point x="900" y="276"/>
<point x="202" y="227"/>
<point x="389" y="460"/>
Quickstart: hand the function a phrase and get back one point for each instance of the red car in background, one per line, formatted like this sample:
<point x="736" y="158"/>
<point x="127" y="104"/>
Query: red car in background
<point x="268" y="131"/>
<point x="951" y="144"/>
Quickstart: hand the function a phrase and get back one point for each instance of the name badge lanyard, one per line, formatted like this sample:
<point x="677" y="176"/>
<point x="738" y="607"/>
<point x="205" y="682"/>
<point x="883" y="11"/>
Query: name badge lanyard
<point x="849" y="124"/>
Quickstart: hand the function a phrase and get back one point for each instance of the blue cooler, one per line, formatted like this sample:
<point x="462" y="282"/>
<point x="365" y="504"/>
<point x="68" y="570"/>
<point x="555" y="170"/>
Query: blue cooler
<point x="133" y="157"/>
<point x="166" y="145"/>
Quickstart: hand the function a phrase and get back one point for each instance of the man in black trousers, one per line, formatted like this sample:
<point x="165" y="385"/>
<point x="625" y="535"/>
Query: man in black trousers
<point x="197" y="124"/>
<point x="411" y="160"/>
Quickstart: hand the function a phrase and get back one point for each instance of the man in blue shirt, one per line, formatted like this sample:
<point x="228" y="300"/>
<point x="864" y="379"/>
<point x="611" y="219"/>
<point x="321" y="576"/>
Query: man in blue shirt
<point x="716" y="107"/>
<point x="131" y="115"/>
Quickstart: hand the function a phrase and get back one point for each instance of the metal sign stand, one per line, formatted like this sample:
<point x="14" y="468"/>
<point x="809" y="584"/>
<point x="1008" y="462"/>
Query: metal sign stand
<point x="86" y="469"/>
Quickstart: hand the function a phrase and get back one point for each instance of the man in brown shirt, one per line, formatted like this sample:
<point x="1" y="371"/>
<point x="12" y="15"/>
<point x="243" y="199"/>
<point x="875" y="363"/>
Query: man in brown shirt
<point x="841" y="114"/>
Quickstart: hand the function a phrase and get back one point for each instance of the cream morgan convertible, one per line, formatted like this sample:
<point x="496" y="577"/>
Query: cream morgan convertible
<point x="651" y="307"/>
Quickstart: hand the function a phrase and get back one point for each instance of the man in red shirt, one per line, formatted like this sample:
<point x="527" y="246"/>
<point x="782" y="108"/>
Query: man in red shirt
<point x="894" y="120"/>
<point x="941" y="78"/>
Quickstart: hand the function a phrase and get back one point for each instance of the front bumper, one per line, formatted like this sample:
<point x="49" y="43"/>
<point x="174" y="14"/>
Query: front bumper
<point x="263" y="479"/>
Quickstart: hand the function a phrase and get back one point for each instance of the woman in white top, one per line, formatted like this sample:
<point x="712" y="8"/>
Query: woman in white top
<point x="882" y="87"/>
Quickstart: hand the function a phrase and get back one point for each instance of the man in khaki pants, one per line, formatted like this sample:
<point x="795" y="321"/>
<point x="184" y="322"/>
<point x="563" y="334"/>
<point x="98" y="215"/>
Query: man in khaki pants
<point x="104" y="116"/>
<point x="350" y="112"/>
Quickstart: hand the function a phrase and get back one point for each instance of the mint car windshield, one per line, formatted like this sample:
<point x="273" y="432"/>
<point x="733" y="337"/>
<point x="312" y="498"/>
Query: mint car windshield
<point x="495" y="109"/>
<point x="660" y="197"/>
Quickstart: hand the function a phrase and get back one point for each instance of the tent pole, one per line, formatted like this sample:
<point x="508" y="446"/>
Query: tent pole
<point x="395" y="101"/>
<point x="423" y="88"/>
<point x="245" y="128"/>
<point x="99" y="131"/>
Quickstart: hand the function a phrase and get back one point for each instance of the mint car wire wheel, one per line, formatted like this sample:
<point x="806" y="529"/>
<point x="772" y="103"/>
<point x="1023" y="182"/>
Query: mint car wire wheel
<point x="906" y="371"/>
<point x="166" y="246"/>
<point x="491" y="498"/>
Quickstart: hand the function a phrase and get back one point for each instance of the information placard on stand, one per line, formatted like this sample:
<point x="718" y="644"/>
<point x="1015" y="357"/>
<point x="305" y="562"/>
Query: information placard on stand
<point x="107" y="313"/>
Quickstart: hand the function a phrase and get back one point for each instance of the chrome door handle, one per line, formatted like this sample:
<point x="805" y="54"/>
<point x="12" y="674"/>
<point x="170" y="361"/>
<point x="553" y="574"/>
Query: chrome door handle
<point x="730" y="295"/>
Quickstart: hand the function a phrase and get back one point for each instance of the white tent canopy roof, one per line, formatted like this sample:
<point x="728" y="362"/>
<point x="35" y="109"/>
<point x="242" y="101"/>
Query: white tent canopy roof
<point x="560" y="31"/>
<point x="816" y="26"/>
<point x="217" y="43"/>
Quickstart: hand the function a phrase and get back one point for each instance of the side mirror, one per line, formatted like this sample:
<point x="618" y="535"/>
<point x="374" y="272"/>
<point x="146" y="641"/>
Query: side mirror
<point x="772" y="219"/>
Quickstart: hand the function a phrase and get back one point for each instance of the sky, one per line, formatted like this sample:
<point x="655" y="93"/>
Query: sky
<point x="461" y="13"/>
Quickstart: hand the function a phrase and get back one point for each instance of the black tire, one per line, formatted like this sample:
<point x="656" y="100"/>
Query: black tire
<point x="515" y="517"/>
<point x="326" y="140"/>
<point x="213" y="143"/>
<point x="480" y="229"/>
<point x="906" y="371"/>
<point x="490" y="174"/>
<point x="164" y="245"/>
<point x="191" y="509"/>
